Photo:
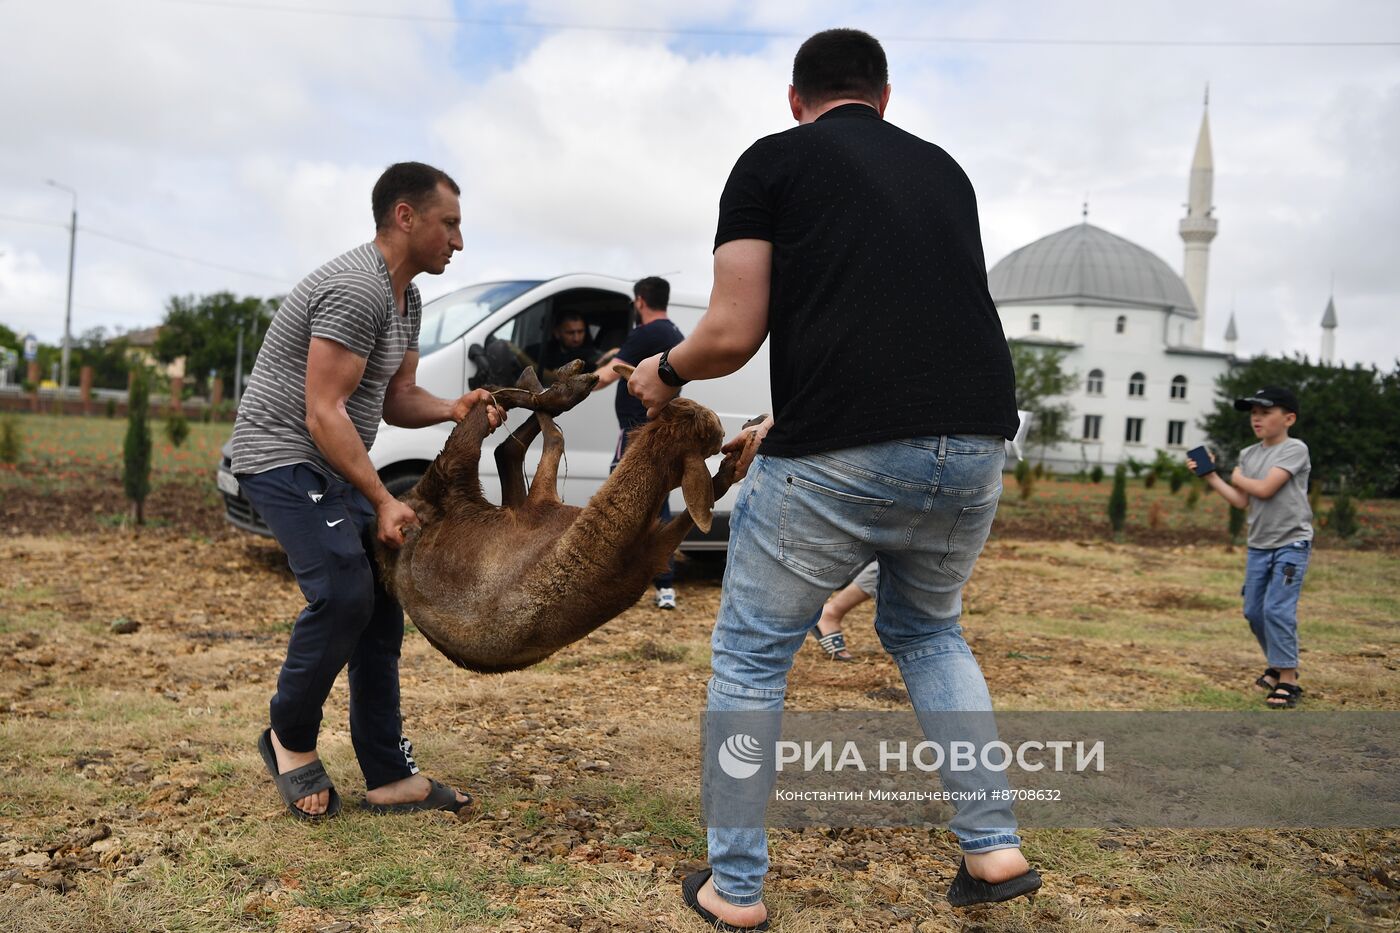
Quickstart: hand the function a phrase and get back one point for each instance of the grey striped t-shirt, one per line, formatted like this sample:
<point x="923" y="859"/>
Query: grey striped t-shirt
<point x="349" y="300"/>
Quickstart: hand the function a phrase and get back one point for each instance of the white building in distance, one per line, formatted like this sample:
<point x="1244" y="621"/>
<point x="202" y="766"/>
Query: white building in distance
<point x="1131" y="327"/>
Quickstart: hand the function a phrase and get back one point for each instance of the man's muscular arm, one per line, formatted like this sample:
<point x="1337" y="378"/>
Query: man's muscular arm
<point x="333" y="373"/>
<point x="409" y="405"/>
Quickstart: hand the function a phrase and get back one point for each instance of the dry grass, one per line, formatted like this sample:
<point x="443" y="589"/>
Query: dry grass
<point x="585" y="768"/>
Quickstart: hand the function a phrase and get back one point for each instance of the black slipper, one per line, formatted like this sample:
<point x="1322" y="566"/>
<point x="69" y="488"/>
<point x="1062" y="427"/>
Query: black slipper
<point x="298" y="782"/>
<point x="1263" y="679"/>
<point x="690" y="893"/>
<point x="440" y="797"/>
<point x="967" y="890"/>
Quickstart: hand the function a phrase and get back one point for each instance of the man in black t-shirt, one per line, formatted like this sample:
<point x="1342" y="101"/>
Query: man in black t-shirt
<point x="654" y="334"/>
<point x="855" y="247"/>
<point x="568" y="341"/>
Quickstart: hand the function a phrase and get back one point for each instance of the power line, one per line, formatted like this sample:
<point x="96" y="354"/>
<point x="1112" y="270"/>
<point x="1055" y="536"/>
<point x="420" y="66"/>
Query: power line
<point x="31" y="220"/>
<point x="150" y="249"/>
<point x="197" y="261"/>
<point x="759" y="34"/>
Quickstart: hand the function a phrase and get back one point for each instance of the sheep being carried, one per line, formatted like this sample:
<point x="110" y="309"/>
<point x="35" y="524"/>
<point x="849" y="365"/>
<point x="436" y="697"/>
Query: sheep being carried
<point x="499" y="588"/>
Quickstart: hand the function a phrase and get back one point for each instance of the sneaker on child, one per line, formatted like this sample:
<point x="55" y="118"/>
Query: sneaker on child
<point x="665" y="598"/>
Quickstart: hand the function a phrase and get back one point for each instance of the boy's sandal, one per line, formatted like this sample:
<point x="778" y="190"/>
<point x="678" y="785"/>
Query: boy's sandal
<point x="1263" y="679"/>
<point x="299" y="782"/>
<point x="440" y="797"/>
<point x="834" y="645"/>
<point x="1285" y="696"/>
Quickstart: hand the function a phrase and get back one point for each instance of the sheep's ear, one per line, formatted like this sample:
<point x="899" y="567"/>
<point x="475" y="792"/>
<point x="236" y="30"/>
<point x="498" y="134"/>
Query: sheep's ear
<point x="699" y="492"/>
<point x="624" y="369"/>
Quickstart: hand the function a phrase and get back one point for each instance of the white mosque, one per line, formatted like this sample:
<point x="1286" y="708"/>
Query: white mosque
<point x="1131" y="328"/>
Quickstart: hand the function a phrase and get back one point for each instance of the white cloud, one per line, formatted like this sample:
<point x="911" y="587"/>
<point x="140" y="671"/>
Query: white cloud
<point x="251" y="139"/>
<point x="598" y="148"/>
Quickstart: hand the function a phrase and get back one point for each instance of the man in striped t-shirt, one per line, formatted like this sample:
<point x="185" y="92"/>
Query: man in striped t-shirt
<point x="341" y="354"/>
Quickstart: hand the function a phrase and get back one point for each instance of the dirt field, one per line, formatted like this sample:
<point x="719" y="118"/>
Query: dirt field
<point x="135" y="672"/>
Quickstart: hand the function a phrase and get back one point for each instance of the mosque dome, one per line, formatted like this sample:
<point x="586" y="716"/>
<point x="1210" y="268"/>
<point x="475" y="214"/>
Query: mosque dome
<point x="1085" y="264"/>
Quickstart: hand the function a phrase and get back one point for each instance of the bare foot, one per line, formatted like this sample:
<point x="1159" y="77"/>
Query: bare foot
<point x="995" y="867"/>
<point x="287" y="760"/>
<point x="750" y="916"/>
<point x="411" y="789"/>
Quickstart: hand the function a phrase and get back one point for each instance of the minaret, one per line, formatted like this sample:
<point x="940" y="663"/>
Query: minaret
<point x="1198" y="226"/>
<point x="1329" y="333"/>
<point x="1231" y="335"/>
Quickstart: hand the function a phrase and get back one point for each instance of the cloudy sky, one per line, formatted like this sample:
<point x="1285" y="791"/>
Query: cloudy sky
<point x="232" y="144"/>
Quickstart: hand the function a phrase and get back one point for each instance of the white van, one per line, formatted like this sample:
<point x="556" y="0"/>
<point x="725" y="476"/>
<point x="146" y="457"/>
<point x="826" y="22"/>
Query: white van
<point x="459" y="346"/>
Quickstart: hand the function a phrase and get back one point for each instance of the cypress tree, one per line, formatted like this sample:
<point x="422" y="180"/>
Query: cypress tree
<point x="1118" y="501"/>
<point x="136" y="450"/>
<point x="1343" y="517"/>
<point x="1236" y="524"/>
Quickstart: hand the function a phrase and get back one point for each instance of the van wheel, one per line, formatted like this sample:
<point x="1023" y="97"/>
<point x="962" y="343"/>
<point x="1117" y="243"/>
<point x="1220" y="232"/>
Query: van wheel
<point x="399" y="484"/>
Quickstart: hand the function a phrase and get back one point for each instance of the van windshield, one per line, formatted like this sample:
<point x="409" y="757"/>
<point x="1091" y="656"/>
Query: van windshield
<point x="449" y="317"/>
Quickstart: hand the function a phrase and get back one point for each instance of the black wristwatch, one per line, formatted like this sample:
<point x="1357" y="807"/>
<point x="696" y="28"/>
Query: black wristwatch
<point x="667" y="374"/>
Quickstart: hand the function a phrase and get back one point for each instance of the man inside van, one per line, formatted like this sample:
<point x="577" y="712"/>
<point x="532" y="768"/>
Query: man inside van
<point x="568" y="341"/>
<point x="855" y="247"/>
<point x="340" y="355"/>
<point x="653" y="334"/>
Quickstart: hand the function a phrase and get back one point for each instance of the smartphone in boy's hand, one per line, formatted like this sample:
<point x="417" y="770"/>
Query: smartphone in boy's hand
<point x="1201" y="457"/>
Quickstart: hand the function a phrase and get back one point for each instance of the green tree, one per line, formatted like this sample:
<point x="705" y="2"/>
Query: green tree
<point x="204" y="330"/>
<point x="1025" y="478"/>
<point x="1118" y="500"/>
<point x="1350" y="419"/>
<point x="11" y="440"/>
<point x="177" y="429"/>
<point x="1237" y="517"/>
<point x="1343" y="517"/>
<point x="109" y="357"/>
<point x="1042" y="382"/>
<point x="136" y="450"/>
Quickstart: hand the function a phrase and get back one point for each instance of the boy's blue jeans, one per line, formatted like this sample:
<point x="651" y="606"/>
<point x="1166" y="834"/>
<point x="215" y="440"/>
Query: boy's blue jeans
<point x="803" y="526"/>
<point x="1273" y="580"/>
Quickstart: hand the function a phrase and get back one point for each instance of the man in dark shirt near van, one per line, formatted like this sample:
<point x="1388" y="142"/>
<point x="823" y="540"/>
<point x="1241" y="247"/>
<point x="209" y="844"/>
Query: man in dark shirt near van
<point x="568" y="341"/>
<point x="855" y="247"/>
<point x="653" y="334"/>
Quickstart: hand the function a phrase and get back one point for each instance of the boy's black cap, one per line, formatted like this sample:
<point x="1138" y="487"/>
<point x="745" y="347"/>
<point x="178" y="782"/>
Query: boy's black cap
<point x="1269" y="396"/>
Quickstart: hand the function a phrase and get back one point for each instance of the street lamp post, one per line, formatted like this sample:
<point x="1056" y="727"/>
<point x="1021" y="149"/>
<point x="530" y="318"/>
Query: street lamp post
<point x="68" y="307"/>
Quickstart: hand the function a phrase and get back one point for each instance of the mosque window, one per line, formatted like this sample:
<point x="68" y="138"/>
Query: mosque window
<point x="1121" y="325"/>
<point x="1094" y="384"/>
<point x="1179" y="387"/>
<point x="1035" y="322"/>
<point x="1137" y="385"/>
<point x="1176" y="432"/>
<point x="1134" y="433"/>
<point x="1092" y="425"/>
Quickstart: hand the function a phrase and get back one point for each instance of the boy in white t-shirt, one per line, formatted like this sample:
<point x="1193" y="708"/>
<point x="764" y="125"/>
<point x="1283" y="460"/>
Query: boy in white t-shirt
<point x="1271" y="481"/>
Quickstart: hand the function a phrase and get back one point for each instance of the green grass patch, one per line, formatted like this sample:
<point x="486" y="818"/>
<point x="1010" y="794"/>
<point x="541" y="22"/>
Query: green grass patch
<point x="1206" y="697"/>
<point x="668" y="817"/>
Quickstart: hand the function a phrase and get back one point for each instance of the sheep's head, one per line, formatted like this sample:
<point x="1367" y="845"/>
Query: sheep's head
<point x="691" y="432"/>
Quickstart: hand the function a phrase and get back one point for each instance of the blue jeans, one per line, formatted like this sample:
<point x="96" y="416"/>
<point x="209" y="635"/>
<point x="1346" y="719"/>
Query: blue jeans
<point x="1273" y="580"/>
<point x="803" y="526"/>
